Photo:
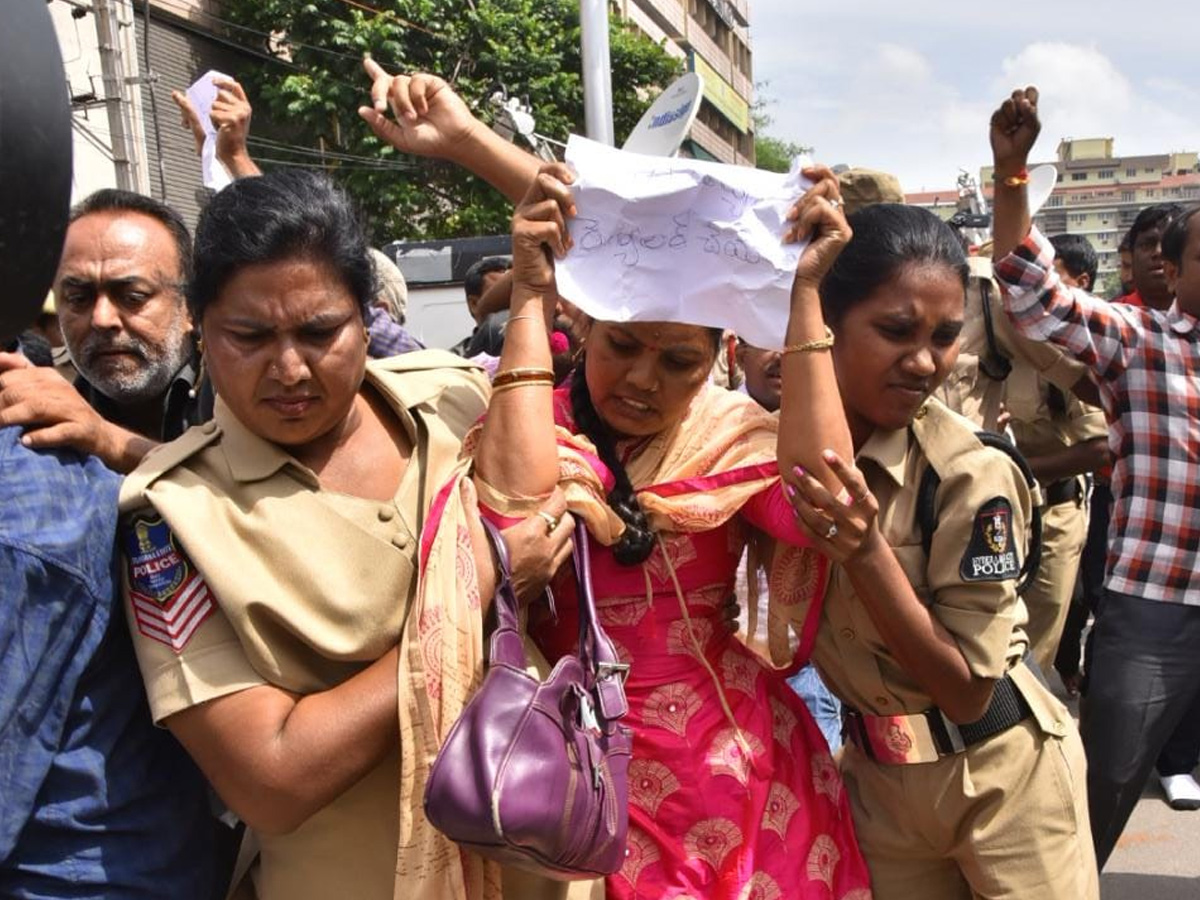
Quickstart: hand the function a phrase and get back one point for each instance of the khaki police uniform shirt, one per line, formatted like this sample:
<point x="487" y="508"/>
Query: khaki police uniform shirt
<point x="1041" y="428"/>
<point x="968" y="581"/>
<point x="242" y="571"/>
<point x="969" y="390"/>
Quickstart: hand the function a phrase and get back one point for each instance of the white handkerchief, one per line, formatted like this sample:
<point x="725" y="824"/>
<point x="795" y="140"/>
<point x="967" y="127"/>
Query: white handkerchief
<point x="202" y="93"/>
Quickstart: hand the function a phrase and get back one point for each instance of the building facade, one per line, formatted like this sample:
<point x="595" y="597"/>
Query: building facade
<point x="1098" y="194"/>
<point x="713" y="38"/>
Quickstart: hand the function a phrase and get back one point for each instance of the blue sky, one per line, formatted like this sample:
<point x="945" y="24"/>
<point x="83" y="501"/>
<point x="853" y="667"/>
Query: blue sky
<point x="908" y="86"/>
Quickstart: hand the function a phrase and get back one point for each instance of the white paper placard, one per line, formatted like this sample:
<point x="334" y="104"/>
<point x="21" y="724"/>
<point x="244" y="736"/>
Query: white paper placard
<point x="202" y="93"/>
<point x="680" y="240"/>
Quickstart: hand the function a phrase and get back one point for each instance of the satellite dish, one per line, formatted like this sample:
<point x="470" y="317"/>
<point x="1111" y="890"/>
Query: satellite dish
<point x="35" y="162"/>
<point x="664" y="125"/>
<point x="1041" y="185"/>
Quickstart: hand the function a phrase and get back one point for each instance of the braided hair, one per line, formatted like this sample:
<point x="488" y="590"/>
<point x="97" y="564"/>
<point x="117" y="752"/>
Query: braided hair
<point x="637" y="541"/>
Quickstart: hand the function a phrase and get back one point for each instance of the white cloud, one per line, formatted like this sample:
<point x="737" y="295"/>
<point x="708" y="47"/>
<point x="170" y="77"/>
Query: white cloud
<point x="909" y="87"/>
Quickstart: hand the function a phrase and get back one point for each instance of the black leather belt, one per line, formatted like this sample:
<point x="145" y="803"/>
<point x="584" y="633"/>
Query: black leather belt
<point x="1067" y="490"/>
<point x="930" y="735"/>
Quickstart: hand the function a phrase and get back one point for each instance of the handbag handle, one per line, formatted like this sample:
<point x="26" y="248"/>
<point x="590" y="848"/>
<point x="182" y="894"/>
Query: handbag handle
<point x="507" y="646"/>
<point x="597" y="652"/>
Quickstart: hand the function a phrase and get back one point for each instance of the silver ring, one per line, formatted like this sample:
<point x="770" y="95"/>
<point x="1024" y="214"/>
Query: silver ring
<point x="832" y="532"/>
<point x="550" y="520"/>
<point x="835" y="202"/>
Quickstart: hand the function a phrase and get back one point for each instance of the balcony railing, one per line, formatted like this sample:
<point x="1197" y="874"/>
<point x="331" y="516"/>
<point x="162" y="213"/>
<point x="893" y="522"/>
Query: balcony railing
<point x="708" y="49"/>
<point x="669" y="14"/>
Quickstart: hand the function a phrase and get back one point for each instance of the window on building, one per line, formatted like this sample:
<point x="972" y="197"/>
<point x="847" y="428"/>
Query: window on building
<point x="1106" y="173"/>
<point x="1128" y="196"/>
<point x="1131" y="173"/>
<point x="1079" y="176"/>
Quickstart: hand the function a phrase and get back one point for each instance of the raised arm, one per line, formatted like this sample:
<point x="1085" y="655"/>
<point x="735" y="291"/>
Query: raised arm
<point x="517" y="454"/>
<point x="811" y="418"/>
<point x="431" y="120"/>
<point x="1013" y="131"/>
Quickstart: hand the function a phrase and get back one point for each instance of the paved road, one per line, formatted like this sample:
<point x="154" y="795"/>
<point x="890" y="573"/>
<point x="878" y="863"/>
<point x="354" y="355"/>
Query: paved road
<point x="1158" y="856"/>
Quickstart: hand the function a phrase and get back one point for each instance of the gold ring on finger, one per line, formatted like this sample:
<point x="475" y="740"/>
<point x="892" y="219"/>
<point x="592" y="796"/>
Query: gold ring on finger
<point x="550" y="520"/>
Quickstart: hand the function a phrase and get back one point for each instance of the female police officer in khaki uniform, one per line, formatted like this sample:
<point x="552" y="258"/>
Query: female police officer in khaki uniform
<point x="966" y="776"/>
<point x="271" y="556"/>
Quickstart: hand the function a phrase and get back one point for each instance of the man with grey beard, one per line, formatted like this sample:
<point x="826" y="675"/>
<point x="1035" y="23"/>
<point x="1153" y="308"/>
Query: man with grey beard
<point x="120" y="294"/>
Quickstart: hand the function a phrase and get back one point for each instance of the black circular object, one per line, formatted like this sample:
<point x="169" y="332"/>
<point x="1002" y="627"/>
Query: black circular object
<point x="35" y="161"/>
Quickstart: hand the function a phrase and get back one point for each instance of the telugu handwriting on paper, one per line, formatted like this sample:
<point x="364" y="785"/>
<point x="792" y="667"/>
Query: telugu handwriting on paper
<point x="680" y="240"/>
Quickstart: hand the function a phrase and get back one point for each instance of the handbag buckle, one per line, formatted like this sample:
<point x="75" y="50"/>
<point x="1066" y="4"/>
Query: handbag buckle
<point x="607" y="670"/>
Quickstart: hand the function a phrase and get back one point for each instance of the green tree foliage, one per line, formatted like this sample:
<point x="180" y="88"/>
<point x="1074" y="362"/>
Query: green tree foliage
<point x="531" y="47"/>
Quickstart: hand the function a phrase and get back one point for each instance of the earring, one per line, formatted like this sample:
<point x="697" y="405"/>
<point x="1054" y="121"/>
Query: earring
<point x="366" y="335"/>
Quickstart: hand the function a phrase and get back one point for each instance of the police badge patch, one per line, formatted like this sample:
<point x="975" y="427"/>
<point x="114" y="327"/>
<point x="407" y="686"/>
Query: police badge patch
<point x="991" y="554"/>
<point x="170" y="600"/>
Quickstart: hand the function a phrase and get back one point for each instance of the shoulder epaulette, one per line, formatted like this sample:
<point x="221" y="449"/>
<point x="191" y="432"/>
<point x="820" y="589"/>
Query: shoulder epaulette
<point x="165" y="457"/>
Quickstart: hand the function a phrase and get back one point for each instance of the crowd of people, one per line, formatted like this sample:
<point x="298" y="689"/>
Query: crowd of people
<point x="951" y="465"/>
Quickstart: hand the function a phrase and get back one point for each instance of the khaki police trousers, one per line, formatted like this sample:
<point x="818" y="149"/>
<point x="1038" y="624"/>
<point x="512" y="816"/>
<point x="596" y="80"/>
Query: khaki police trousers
<point x="1006" y="818"/>
<point x="1048" y="597"/>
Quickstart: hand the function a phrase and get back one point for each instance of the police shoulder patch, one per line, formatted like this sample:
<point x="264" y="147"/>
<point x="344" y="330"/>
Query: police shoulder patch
<point x="170" y="599"/>
<point x="991" y="554"/>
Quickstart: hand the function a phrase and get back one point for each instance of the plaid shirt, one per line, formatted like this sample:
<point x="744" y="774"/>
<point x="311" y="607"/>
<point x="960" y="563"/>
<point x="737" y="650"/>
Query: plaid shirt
<point x="1147" y="365"/>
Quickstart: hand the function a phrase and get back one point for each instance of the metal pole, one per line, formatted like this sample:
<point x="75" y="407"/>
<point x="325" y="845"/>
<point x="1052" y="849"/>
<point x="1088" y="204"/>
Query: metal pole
<point x="597" y="70"/>
<point x="125" y="162"/>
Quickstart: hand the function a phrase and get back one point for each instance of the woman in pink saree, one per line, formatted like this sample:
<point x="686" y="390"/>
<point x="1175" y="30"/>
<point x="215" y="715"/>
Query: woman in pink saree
<point x="733" y="793"/>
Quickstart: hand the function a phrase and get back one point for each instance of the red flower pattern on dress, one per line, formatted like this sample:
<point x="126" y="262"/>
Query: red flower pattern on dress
<point x="429" y="630"/>
<point x="823" y="859"/>
<point x="622" y="612"/>
<point x="639" y="853"/>
<point x="712" y="840"/>
<point x="794" y="578"/>
<point x="761" y="886"/>
<point x="781" y="806"/>
<point x="689" y="638"/>
<point x="464" y="567"/>
<point x="783" y="722"/>
<point x="727" y="755"/>
<point x="671" y="707"/>
<point x="740" y="672"/>
<point x="650" y="782"/>
<point x="826" y="779"/>
<point x="708" y="597"/>
<point x="680" y="549"/>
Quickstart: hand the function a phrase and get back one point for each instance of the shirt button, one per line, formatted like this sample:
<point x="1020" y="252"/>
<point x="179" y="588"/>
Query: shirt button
<point x="401" y="541"/>
<point x="386" y="514"/>
<point x="847" y="634"/>
<point x="882" y="701"/>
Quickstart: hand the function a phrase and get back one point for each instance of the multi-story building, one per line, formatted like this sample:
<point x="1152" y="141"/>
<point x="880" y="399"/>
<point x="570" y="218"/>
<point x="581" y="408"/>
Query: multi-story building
<point x="713" y="37"/>
<point x="1098" y="194"/>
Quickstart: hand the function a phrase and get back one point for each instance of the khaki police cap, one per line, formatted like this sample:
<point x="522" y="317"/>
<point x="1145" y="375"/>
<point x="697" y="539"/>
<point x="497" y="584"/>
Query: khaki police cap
<point x="864" y="187"/>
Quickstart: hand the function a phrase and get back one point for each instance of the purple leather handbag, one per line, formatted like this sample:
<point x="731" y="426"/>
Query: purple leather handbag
<point x="533" y="773"/>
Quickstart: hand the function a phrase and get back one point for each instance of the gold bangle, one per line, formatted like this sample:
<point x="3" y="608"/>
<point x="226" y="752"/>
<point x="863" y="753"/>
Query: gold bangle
<point x="530" y="382"/>
<point x="809" y="346"/>
<point x="518" y="376"/>
<point x="541" y="319"/>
